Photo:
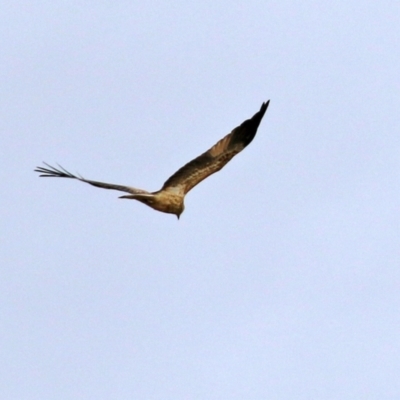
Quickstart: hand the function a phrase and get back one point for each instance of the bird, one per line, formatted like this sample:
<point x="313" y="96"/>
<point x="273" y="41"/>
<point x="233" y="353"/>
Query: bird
<point x="170" y="198"/>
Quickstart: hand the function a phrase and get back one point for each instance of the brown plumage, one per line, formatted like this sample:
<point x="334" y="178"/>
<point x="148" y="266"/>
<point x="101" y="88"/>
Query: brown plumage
<point x="170" y="198"/>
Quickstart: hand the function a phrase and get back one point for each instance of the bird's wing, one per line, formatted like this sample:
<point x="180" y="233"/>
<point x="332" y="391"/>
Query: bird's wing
<point x="51" y="172"/>
<point x="216" y="157"/>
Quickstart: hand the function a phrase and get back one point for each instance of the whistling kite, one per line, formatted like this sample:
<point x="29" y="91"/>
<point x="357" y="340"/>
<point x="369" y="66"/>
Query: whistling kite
<point x="170" y="198"/>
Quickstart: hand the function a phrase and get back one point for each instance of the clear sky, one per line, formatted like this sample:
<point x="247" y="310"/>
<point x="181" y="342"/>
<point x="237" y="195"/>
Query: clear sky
<point x="282" y="278"/>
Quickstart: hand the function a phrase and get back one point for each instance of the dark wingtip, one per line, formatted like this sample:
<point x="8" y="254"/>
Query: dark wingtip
<point x="258" y="116"/>
<point x="51" y="172"/>
<point x="246" y="132"/>
<point x="263" y="109"/>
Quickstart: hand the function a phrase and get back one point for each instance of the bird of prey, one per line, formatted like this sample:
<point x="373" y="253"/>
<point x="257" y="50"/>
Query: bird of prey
<point x="170" y="198"/>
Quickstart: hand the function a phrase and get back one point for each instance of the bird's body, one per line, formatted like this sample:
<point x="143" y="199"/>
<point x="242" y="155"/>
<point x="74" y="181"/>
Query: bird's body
<point x="164" y="200"/>
<point x="170" y="198"/>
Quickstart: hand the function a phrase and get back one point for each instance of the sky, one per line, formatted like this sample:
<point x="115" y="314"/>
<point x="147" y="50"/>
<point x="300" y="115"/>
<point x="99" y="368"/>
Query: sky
<point x="280" y="280"/>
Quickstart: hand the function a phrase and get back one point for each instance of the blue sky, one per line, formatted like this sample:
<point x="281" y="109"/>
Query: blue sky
<point x="281" y="279"/>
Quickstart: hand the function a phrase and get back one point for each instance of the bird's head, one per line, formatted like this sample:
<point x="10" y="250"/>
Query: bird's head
<point x="178" y="213"/>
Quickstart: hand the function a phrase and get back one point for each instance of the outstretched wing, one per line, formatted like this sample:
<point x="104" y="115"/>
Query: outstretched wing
<point x="51" y="172"/>
<point x="217" y="157"/>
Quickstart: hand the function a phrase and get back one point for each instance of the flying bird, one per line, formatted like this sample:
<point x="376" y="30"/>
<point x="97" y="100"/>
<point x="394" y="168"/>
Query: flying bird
<point x="170" y="198"/>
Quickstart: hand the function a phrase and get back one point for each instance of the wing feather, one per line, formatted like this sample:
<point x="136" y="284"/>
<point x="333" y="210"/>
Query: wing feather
<point x="216" y="157"/>
<point x="51" y="172"/>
